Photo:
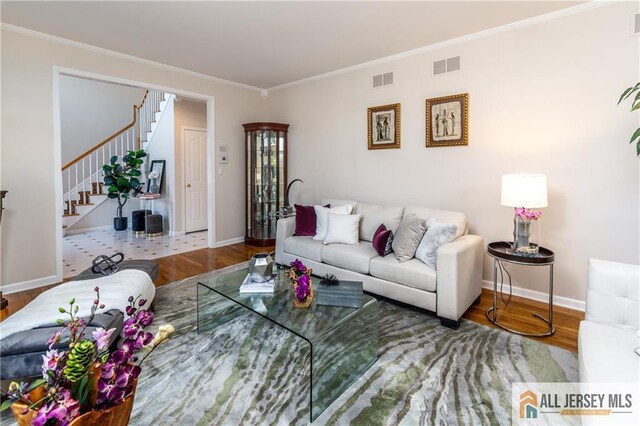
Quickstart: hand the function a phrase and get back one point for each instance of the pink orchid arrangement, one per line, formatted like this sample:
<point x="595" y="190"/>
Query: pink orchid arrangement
<point x="527" y="214"/>
<point x="89" y="375"/>
<point x="300" y="275"/>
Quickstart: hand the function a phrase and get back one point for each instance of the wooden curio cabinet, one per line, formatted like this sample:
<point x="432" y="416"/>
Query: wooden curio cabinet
<point x="266" y="179"/>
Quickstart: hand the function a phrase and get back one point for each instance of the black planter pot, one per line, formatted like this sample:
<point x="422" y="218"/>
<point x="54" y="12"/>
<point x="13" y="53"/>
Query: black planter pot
<point x="120" y="223"/>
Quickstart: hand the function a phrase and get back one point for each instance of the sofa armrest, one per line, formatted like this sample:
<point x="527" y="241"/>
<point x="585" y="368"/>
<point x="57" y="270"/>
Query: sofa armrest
<point x="458" y="276"/>
<point x="285" y="228"/>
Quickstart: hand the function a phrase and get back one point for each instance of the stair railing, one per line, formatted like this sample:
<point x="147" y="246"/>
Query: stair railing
<point x="83" y="175"/>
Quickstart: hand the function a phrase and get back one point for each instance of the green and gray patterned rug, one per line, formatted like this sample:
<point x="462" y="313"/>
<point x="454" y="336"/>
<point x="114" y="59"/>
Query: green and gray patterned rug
<point x="249" y="371"/>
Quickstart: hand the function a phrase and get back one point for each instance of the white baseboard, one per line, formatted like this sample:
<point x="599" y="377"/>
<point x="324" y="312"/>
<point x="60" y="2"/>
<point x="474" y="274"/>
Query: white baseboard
<point x="565" y="302"/>
<point x="229" y="242"/>
<point x="176" y="233"/>
<point x="84" y="230"/>
<point x="29" y="285"/>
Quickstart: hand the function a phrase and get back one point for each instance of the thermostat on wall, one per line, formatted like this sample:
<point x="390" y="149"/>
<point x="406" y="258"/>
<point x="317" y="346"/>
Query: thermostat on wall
<point x="224" y="159"/>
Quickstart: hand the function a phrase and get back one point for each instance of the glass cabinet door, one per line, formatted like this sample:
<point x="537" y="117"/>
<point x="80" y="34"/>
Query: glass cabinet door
<point x="266" y="179"/>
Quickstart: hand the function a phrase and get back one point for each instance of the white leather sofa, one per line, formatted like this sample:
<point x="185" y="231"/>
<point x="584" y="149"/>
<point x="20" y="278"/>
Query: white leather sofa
<point x="609" y="333"/>
<point x="448" y="292"/>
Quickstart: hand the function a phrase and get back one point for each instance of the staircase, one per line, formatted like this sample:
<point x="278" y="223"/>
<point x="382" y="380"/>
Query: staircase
<point x="82" y="179"/>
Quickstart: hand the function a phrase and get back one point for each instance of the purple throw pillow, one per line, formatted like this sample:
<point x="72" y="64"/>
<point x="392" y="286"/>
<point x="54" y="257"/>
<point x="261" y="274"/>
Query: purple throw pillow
<point x="305" y="221"/>
<point x="382" y="240"/>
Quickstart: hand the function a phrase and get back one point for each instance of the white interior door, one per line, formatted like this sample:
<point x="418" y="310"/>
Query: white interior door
<point x="195" y="173"/>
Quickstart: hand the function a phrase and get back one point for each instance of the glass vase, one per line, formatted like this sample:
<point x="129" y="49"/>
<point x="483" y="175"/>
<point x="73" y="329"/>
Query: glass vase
<point x="524" y="235"/>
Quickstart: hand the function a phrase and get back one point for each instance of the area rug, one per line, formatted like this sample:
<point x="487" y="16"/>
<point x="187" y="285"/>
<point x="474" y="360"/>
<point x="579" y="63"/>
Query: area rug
<point x="250" y="371"/>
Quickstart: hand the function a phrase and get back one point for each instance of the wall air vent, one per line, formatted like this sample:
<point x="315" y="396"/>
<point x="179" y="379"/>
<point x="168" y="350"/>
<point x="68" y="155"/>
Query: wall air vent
<point x="381" y="80"/>
<point x="636" y="23"/>
<point x="444" y="66"/>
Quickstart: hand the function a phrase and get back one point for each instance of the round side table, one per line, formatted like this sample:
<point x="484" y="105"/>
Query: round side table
<point x="501" y="251"/>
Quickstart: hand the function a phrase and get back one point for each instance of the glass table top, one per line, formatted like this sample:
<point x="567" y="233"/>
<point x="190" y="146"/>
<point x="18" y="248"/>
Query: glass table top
<point x="309" y="323"/>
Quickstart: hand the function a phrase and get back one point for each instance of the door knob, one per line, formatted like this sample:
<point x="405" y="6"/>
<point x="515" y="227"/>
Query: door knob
<point x="188" y="185"/>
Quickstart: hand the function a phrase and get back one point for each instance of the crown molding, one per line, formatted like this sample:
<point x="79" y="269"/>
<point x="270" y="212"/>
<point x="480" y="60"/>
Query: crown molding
<point x="455" y="41"/>
<point x="91" y="48"/>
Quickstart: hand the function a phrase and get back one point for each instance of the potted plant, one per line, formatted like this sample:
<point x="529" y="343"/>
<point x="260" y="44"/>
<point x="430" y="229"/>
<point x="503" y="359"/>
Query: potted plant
<point x="87" y="384"/>
<point x="122" y="181"/>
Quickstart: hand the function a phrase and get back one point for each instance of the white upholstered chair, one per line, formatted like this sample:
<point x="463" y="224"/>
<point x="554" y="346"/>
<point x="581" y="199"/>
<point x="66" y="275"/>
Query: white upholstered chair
<point x="609" y="333"/>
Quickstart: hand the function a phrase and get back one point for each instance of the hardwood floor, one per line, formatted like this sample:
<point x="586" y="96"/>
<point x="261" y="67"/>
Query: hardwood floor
<point x="516" y="315"/>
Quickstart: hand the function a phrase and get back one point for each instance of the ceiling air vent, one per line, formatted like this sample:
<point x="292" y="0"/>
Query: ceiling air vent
<point x="444" y="66"/>
<point x="382" y="80"/>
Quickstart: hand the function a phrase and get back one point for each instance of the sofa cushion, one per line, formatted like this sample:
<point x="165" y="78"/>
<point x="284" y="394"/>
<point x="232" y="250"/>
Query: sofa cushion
<point x="606" y="353"/>
<point x="322" y="218"/>
<point x="443" y="216"/>
<point x="382" y="240"/>
<point x="305" y="221"/>
<point x="305" y="247"/>
<point x="437" y="235"/>
<point x="355" y="258"/>
<point x="343" y="229"/>
<point x="373" y="215"/>
<point x="408" y="237"/>
<point x="412" y="273"/>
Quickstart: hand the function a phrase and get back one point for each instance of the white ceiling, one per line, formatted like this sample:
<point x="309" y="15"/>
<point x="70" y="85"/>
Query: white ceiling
<point x="266" y="44"/>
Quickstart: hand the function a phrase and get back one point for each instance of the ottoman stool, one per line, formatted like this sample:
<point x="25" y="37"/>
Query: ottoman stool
<point x="21" y="353"/>
<point x="137" y="221"/>
<point x="154" y="225"/>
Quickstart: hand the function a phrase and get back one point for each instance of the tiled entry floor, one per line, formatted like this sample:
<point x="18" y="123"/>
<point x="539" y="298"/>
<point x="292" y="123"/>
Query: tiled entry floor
<point x="79" y="250"/>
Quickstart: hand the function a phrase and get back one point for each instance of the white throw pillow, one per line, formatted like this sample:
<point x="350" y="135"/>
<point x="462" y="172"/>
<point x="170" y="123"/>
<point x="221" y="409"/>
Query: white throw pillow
<point x="322" y="217"/>
<point x="343" y="229"/>
<point x="438" y="234"/>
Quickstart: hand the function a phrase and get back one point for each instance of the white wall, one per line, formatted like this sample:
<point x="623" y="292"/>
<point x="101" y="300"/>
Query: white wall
<point x="161" y="147"/>
<point x="91" y="111"/>
<point x="27" y="168"/>
<point x="542" y="99"/>
<point x="187" y="114"/>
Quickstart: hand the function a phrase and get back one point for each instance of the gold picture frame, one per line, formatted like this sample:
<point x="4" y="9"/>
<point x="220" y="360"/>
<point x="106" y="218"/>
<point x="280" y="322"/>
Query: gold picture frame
<point x="383" y="123"/>
<point x="447" y="121"/>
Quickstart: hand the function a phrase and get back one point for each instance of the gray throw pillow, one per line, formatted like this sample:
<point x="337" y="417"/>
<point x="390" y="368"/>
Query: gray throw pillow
<point x="407" y="237"/>
<point x="438" y="234"/>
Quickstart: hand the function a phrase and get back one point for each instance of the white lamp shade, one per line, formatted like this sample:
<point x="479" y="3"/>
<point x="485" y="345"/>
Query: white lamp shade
<point x="524" y="190"/>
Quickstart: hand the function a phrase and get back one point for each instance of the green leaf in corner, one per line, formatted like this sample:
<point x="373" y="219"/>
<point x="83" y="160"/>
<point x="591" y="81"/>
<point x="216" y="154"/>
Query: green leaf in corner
<point x="6" y="404"/>
<point x="638" y="149"/>
<point x="115" y="157"/>
<point x="636" y="106"/>
<point x="622" y="97"/>
<point x="636" y="135"/>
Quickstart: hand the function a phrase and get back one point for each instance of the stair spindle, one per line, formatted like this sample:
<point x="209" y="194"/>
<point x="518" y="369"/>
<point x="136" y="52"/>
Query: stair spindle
<point x="76" y="188"/>
<point x="69" y="184"/>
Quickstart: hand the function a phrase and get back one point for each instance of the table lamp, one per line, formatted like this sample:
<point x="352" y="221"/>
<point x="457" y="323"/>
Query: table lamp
<point x="523" y="192"/>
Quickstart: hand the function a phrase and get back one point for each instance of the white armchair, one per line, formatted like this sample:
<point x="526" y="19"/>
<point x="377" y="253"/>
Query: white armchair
<point x="609" y="334"/>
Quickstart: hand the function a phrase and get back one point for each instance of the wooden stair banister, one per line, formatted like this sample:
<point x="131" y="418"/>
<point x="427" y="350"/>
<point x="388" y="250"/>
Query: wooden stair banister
<point x="113" y="136"/>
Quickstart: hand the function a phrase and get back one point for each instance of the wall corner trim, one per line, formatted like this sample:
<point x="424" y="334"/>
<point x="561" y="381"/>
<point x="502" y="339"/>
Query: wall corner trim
<point x="96" y="49"/>
<point x="29" y="285"/>
<point x="229" y="242"/>
<point x="594" y="4"/>
<point x="565" y="302"/>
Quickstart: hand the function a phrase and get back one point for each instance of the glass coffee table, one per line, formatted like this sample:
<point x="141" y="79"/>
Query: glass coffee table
<point x="330" y="331"/>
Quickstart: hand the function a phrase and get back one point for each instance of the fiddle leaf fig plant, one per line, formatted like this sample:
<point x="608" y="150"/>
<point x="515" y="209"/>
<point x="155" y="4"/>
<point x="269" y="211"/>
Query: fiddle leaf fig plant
<point x="122" y="178"/>
<point x="635" y="105"/>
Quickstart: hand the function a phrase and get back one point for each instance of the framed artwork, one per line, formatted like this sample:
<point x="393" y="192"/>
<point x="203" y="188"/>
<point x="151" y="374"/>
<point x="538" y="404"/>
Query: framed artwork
<point x="155" y="176"/>
<point x="447" y="121"/>
<point x="384" y="126"/>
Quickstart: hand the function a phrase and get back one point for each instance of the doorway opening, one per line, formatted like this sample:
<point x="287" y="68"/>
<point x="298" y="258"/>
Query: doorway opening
<point x="86" y="223"/>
